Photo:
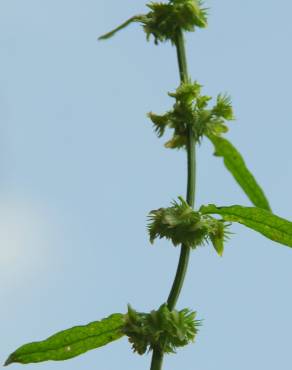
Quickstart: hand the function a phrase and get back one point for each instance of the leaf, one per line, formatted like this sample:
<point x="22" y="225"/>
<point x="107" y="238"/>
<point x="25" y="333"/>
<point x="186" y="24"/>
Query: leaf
<point x="218" y="244"/>
<point x="265" y="222"/>
<point x="135" y="18"/>
<point x="236" y="165"/>
<point x="71" y="342"/>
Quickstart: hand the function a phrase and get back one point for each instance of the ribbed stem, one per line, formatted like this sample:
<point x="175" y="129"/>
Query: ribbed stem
<point x="157" y="357"/>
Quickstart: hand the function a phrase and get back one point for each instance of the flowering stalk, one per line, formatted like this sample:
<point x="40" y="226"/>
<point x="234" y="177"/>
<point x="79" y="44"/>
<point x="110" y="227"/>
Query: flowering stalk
<point x="166" y="329"/>
<point x="157" y="356"/>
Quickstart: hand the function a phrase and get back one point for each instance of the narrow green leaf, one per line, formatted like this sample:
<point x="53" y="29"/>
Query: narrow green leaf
<point x="265" y="222"/>
<point x="236" y="165"/>
<point x="135" y="18"/>
<point x="71" y="342"/>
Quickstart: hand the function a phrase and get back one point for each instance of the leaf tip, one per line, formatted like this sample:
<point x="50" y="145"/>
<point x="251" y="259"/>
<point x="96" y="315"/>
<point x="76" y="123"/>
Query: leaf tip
<point x="101" y="38"/>
<point x="8" y="361"/>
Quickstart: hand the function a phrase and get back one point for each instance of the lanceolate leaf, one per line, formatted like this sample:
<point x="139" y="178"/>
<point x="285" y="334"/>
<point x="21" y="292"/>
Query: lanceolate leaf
<point x="136" y="18"/>
<point x="72" y="342"/>
<point x="236" y="165"/>
<point x="266" y="223"/>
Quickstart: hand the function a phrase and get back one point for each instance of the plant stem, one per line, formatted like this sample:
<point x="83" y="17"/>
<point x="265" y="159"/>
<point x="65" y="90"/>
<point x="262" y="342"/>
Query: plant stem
<point x="157" y="357"/>
<point x="181" y="57"/>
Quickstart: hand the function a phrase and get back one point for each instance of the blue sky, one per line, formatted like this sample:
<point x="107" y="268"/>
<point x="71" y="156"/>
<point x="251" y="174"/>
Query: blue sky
<point x="81" y="168"/>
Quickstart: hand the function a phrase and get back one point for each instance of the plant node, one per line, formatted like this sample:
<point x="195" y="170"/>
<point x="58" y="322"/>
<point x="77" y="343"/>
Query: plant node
<point x="165" y="19"/>
<point x="182" y="225"/>
<point x="191" y="109"/>
<point x="162" y="329"/>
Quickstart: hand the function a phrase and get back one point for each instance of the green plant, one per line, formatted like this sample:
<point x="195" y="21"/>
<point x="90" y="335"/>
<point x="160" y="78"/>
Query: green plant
<point x="191" y="119"/>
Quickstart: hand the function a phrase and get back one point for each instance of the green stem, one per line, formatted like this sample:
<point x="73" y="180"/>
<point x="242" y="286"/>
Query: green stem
<point x="181" y="57"/>
<point x="157" y="357"/>
<point x="191" y="158"/>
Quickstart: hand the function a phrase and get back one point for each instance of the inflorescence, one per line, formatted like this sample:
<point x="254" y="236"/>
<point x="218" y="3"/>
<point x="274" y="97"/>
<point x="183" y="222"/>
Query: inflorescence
<point x="182" y="225"/>
<point x="165" y="20"/>
<point x="191" y="110"/>
<point x="162" y="329"/>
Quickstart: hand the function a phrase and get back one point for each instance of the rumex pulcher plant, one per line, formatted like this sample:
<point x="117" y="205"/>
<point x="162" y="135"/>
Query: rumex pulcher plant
<point x="192" y="118"/>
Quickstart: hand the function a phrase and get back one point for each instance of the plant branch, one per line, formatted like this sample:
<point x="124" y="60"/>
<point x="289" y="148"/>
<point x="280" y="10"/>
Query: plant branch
<point x="157" y="357"/>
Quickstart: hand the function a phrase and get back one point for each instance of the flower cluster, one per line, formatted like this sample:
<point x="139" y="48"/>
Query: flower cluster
<point x="191" y="111"/>
<point x="162" y="329"/>
<point x="165" y="20"/>
<point x="182" y="225"/>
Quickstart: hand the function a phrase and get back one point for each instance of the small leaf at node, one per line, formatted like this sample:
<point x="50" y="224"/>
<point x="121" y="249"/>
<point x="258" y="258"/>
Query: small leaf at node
<point x="134" y="19"/>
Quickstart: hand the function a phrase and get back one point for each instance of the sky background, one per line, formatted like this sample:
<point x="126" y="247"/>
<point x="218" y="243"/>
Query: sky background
<point x="80" y="168"/>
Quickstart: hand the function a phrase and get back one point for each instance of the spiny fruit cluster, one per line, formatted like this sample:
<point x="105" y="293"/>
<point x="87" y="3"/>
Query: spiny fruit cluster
<point x="182" y="225"/>
<point x="166" y="20"/>
<point x="162" y="329"/>
<point x="191" y="109"/>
